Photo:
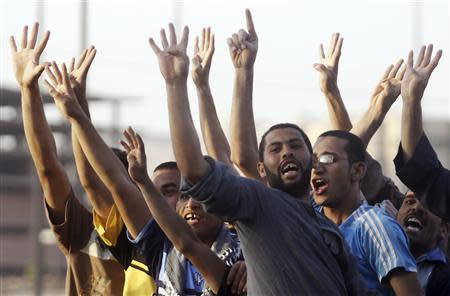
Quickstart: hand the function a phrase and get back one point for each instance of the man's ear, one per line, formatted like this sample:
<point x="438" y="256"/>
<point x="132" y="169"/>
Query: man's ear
<point x="261" y="170"/>
<point x="358" y="171"/>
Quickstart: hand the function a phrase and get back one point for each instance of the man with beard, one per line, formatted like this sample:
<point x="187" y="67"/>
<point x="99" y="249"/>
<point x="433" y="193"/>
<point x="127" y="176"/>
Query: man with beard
<point x="427" y="235"/>
<point x="288" y="172"/>
<point x="376" y="240"/>
<point x="303" y="252"/>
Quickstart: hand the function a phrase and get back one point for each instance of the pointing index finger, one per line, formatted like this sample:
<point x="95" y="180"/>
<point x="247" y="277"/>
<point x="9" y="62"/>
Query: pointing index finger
<point x="250" y="25"/>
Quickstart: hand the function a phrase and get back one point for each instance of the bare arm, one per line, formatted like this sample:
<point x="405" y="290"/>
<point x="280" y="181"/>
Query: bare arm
<point x="243" y="48"/>
<point x="412" y="89"/>
<point x="106" y="165"/>
<point x="328" y="72"/>
<point x="384" y="95"/>
<point x="53" y="178"/>
<point x="174" y="226"/>
<point x="405" y="283"/>
<point x="98" y="194"/>
<point x="174" y="66"/>
<point x="215" y="140"/>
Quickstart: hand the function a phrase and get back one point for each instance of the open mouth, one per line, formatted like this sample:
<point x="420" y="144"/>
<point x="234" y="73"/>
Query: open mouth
<point x="413" y="224"/>
<point x="191" y="218"/>
<point x="319" y="185"/>
<point x="289" y="169"/>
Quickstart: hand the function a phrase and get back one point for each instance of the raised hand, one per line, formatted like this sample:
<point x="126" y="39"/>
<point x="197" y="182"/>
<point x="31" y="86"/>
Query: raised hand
<point x="173" y="60"/>
<point x="328" y="65"/>
<point x="62" y="92"/>
<point x="201" y="62"/>
<point x="137" y="161"/>
<point x="416" y="77"/>
<point x="26" y="61"/>
<point x="78" y="71"/>
<point x="388" y="89"/>
<point x="243" y="46"/>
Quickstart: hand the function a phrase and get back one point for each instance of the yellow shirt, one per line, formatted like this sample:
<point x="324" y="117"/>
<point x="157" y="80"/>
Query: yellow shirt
<point x="138" y="280"/>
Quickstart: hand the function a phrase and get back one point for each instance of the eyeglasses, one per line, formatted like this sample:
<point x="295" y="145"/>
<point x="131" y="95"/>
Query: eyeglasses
<point x="326" y="158"/>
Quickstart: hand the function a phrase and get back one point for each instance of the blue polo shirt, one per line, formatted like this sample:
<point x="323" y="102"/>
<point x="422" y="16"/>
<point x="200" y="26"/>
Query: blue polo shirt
<point x="426" y="264"/>
<point x="379" y="245"/>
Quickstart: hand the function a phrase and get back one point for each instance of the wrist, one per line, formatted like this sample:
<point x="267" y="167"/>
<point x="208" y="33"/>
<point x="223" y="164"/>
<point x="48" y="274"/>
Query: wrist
<point x="33" y="87"/>
<point x="245" y="70"/>
<point x="203" y="87"/>
<point x="142" y="180"/>
<point x="176" y="85"/>
<point x="332" y="91"/>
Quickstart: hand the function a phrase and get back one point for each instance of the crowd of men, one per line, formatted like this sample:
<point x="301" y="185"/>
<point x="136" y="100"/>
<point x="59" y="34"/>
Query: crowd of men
<point x="284" y="217"/>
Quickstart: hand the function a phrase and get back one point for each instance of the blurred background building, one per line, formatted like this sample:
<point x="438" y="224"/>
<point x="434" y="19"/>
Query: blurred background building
<point x="126" y="88"/>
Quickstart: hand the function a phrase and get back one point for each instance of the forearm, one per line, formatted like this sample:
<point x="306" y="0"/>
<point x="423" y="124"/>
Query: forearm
<point x="244" y="152"/>
<point x="113" y="175"/>
<point x="367" y="126"/>
<point x="53" y="179"/>
<point x="98" y="194"/>
<point x="37" y="131"/>
<point x="215" y="140"/>
<point x="412" y="128"/>
<point x="185" y="142"/>
<point x="175" y="227"/>
<point x="337" y="112"/>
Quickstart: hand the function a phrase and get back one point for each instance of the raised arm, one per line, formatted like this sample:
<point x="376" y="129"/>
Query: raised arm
<point x="98" y="194"/>
<point x="243" y="48"/>
<point x="328" y="71"/>
<point x="174" y="66"/>
<point x="384" y="95"/>
<point x="215" y="140"/>
<point x="173" y="225"/>
<point x="41" y="143"/>
<point x="412" y="89"/>
<point x="106" y="165"/>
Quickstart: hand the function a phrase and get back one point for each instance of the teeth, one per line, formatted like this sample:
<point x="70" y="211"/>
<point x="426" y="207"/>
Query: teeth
<point x="413" y="228"/>
<point x="190" y="216"/>
<point x="412" y="219"/>
<point x="413" y="224"/>
<point x="289" y="166"/>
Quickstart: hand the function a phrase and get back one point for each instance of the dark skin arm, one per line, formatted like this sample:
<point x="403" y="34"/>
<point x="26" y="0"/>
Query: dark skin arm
<point x="174" y="226"/>
<point x="52" y="176"/>
<point x="98" y="194"/>
<point x="106" y="165"/>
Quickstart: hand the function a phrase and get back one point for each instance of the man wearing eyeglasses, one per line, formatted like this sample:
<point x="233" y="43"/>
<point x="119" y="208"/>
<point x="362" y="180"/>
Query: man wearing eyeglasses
<point x="376" y="240"/>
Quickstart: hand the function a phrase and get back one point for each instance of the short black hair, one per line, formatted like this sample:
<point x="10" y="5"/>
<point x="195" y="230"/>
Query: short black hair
<point x="122" y="156"/>
<point x="262" y="144"/>
<point x="168" y="165"/>
<point x="354" y="146"/>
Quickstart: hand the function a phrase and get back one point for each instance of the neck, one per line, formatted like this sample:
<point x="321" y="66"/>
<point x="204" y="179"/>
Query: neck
<point x="339" y="213"/>
<point x="209" y="238"/>
<point x="417" y="250"/>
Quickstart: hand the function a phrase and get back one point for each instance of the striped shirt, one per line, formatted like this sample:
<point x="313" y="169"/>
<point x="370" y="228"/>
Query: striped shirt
<point x="379" y="245"/>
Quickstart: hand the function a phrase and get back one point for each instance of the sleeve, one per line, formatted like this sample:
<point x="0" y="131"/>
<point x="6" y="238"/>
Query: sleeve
<point x="385" y="244"/>
<point x="110" y="232"/>
<point x="425" y="175"/>
<point x="226" y="195"/>
<point x="74" y="233"/>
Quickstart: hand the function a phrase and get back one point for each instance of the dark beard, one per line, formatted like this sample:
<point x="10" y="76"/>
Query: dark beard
<point x="298" y="189"/>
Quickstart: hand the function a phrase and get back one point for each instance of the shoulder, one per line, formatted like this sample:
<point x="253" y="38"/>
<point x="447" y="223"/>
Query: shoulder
<point x="376" y="225"/>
